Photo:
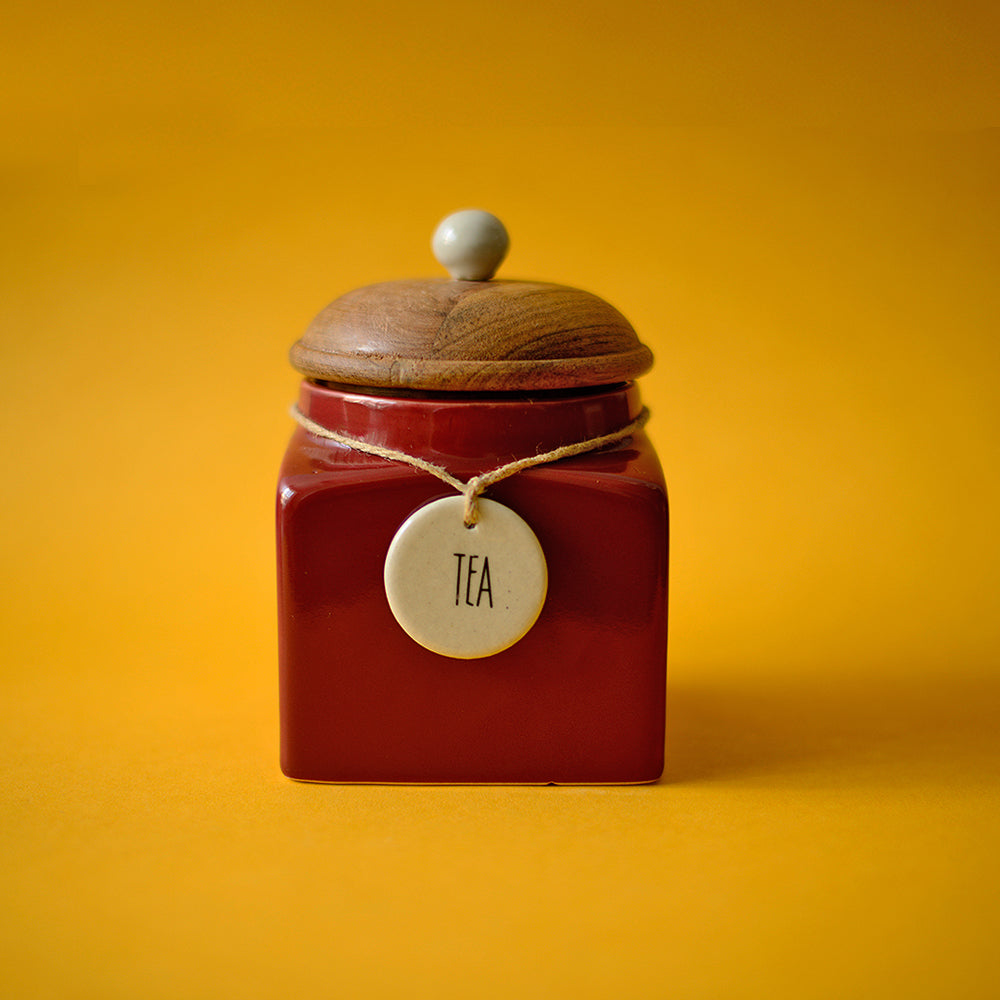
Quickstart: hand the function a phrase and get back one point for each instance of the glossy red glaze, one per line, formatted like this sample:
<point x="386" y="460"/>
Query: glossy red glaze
<point x="580" y="699"/>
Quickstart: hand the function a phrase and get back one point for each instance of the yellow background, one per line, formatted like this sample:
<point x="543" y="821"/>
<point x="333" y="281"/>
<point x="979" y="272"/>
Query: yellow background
<point x="798" y="207"/>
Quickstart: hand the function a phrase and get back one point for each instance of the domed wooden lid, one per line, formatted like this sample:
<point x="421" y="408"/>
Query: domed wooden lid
<point x="466" y="334"/>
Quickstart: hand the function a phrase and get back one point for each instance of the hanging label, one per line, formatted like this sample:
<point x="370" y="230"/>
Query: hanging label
<point x="465" y="592"/>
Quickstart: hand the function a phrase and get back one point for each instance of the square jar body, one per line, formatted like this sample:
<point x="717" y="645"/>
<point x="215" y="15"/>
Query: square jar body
<point x="579" y="700"/>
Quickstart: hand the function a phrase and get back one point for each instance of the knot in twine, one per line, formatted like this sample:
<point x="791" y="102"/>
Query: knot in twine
<point x="477" y="485"/>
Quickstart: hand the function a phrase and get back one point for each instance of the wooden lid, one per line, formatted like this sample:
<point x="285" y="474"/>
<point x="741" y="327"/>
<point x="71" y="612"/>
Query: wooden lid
<point x="471" y="335"/>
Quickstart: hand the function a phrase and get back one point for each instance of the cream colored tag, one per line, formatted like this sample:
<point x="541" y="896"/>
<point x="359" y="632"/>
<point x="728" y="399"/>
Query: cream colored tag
<point x="465" y="592"/>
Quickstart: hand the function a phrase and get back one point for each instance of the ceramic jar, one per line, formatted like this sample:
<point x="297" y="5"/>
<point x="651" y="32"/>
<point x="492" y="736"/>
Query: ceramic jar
<point x="528" y="646"/>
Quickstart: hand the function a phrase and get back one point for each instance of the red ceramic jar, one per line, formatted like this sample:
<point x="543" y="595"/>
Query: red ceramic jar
<point x="578" y="699"/>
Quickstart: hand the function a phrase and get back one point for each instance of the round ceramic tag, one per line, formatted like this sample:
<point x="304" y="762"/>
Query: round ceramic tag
<point x="465" y="592"/>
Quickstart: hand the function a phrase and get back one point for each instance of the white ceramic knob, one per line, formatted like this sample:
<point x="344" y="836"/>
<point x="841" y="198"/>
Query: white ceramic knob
<point x="471" y="244"/>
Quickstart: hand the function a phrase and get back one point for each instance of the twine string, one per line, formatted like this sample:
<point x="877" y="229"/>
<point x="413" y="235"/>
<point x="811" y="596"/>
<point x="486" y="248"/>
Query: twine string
<point x="477" y="485"/>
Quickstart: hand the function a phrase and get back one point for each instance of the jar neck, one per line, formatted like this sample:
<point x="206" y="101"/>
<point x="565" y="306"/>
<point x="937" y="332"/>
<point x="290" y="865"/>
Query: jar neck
<point x="471" y="433"/>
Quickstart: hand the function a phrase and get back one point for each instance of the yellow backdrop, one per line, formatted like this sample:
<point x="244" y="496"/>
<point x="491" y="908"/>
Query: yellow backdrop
<point x="798" y="208"/>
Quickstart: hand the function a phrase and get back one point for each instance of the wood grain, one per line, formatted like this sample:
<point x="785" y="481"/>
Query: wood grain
<point x="439" y="334"/>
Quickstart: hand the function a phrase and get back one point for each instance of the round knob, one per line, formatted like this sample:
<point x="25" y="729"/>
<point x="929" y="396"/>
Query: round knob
<point x="471" y="244"/>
